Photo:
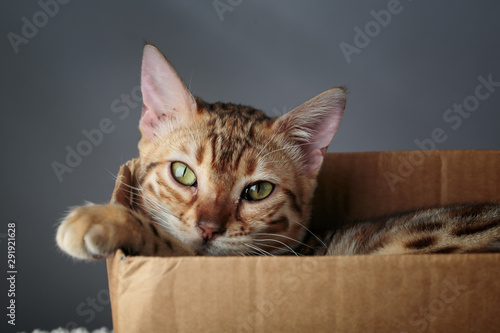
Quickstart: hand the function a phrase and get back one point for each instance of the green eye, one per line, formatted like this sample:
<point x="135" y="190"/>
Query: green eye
<point x="258" y="191"/>
<point x="183" y="174"/>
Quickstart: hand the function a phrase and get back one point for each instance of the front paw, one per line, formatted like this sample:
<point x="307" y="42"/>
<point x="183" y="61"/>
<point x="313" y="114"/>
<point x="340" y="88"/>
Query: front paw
<point x="92" y="231"/>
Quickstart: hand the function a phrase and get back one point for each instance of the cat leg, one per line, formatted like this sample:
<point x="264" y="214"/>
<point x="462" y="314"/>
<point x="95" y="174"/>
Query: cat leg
<point x="97" y="231"/>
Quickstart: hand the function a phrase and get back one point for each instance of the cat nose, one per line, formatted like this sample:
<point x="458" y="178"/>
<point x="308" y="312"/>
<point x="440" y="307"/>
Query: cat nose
<point x="208" y="232"/>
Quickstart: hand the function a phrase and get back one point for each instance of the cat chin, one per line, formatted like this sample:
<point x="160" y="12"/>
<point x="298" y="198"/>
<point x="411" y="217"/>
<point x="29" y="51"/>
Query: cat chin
<point x="212" y="249"/>
<point x="208" y="251"/>
<point x="217" y="247"/>
<point x="201" y="247"/>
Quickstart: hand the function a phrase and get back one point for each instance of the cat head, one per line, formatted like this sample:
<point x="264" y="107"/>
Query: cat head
<point x="227" y="179"/>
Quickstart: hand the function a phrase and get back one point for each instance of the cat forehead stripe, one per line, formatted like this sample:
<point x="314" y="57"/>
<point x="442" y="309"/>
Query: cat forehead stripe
<point x="148" y="170"/>
<point x="200" y="153"/>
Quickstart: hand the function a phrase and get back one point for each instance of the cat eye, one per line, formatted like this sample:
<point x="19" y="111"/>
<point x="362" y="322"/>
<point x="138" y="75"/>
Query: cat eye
<point x="258" y="191"/>
<point x="183" y="174"/>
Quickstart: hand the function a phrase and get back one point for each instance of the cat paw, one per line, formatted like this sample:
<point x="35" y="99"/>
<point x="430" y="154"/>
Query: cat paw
<point x="91" y="231"/>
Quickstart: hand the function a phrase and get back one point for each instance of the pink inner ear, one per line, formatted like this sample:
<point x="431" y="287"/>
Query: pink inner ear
<point x="321" y="140"/>
<point x="148" y="123"/>
<point x="151" y="95"/>
<point x="313" y="124"/>
<point x="314" y="160"/>
<point x="164" y="94"/>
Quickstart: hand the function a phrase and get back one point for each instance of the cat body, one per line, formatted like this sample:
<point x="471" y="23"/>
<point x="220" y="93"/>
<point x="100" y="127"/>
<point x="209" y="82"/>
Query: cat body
<point x="458" y="228"/>
<point x="225" y="179"/>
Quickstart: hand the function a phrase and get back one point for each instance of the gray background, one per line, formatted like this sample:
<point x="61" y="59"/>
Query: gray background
<point x="273" y="55"/>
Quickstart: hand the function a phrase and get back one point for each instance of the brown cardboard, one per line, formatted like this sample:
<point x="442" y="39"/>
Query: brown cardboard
<point x="399" y="293"/>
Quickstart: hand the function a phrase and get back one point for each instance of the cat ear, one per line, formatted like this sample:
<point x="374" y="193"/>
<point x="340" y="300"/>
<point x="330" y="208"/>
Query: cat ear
<point x="165" y="97"/>
<point x="313" y="124"/>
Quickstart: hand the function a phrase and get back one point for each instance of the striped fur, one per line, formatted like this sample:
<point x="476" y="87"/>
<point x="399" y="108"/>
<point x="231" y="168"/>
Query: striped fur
<point x="230" y="147"/>
<point x="459" y="228"/>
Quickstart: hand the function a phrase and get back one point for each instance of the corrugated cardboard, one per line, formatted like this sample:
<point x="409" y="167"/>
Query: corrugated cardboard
<point x="399" y="293"/>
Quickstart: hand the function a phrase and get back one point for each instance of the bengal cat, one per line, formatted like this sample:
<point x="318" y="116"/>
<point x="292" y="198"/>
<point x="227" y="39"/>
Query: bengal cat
<point x="225" y="179"/>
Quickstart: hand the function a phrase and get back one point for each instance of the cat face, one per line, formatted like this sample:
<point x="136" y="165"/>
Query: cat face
<point x="226" y="179"/>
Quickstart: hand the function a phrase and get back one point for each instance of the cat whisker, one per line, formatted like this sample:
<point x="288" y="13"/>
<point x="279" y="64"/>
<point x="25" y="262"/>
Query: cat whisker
<point x="161" y="209"/>
<point x="277" y="247"/>
<point x="262" y="251"/>
<point x="278" y="235"/>
<point x="248" y="252"/>
<point x="131" y="188"/>
<point x="159" y="214"/>
<point x="312" y="233"/>
<point x="136" y="191"/>
<point x="115" y="177"/>
<point x="277" y="241"/>
<point x="252" y="253"/>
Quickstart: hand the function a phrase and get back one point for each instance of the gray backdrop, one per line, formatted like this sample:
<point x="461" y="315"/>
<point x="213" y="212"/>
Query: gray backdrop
<point x="67" y="68"/>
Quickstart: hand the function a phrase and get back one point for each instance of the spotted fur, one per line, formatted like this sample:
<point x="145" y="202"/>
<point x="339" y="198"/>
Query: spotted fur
<point x="229" y="147"/>
<point x="459" y="228"/>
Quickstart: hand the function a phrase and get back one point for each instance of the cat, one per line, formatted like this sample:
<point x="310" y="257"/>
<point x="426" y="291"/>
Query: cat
<point x="224" y="179"/>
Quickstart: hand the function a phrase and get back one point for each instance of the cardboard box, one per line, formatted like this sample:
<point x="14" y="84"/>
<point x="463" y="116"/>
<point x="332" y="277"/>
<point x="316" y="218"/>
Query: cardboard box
<point x="398" y="293"/>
